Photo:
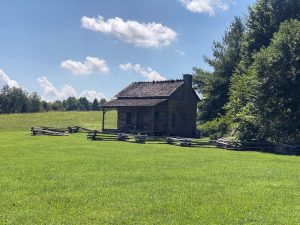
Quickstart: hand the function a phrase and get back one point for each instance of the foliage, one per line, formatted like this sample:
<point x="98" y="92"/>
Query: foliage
<point x="95" y="105"/>
<point x="84" y="104"/>
<point x="264" y="102"/>
<point x="34" y="103"/>
<point x="240" y="108"/>
<point x="57" y="106"/>
<point x="215" y="129"/>
<point x="17" y="100"/>
<point x="264" y="19"/>
<point x="214" y="85"/>
<point x="277" y="69"/>
<point x="13" y="100"/>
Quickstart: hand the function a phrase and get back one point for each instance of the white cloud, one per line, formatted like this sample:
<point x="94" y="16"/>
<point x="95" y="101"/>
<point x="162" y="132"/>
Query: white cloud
<point x="126" y="67"/>
<point x="89" y="66"/>
<point x="5" y="80"/>
<point x="50" y="92"/>
<point x="205" y="6"/>
<point x="179" y="52"/>
<point x="148" y="73"/>
<point x="139" y="34"/>
<point x="91" y="95"/>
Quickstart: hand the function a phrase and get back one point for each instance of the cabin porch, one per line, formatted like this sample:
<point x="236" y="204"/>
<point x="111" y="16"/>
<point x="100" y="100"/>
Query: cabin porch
<point x="145" y="119"/>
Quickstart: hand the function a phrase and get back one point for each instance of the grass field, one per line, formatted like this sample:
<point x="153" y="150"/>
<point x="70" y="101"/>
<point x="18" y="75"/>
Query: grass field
<point x="90" y="120"/>
<point x="69" y="180"/>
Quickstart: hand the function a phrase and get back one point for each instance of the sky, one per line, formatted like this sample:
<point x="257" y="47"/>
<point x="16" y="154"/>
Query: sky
<point x="95" y="48"/>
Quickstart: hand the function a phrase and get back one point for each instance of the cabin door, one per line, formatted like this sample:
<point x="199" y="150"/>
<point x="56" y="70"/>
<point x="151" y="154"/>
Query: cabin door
<point x="139" y="120"/>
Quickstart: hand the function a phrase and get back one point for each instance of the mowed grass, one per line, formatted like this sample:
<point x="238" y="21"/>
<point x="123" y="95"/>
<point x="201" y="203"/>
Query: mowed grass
<point x="69" y="180"/>
<point x="92" y="120"/>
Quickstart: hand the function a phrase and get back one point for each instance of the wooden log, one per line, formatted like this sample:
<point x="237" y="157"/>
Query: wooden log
<point x="97" y="135"/>
<point x="184" y="142"/>
<point x="170" y="140"/>
<point x="140" y="139"/>
<point x="84" y="129"/>
<point x="42" y="131"/>
<point x="122" y="137"/>
<point x="74" y="129"/>
<point x="54" y="129"/>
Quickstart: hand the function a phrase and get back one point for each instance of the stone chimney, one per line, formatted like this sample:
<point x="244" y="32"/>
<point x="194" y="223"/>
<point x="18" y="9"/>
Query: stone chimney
<point x="188" y="80"/>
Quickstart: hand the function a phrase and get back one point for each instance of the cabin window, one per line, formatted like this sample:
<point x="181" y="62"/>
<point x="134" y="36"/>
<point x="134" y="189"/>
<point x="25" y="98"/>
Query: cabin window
<point x="156" y="115"/>
<point x="128" y="118"/>
<point x="173" y="120"/>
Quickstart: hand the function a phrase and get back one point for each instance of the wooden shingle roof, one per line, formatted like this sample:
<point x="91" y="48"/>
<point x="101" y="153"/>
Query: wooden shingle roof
<point x="133" y="102"/>
<point x="150" y="89"/>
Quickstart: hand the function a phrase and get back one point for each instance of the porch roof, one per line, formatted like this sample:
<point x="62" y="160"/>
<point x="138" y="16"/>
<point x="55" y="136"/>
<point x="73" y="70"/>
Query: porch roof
<point x="133" y="103"/>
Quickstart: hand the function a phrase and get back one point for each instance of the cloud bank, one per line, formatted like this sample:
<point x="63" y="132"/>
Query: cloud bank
<point x="205" y="6"/>
<point x="5" y="80"/>
<point x="50" y="92"/>
<point x="149" y="35"/>
<point x="89" y="66"/>
<point x="91" y="95"/>
<point x="148" y="73"/>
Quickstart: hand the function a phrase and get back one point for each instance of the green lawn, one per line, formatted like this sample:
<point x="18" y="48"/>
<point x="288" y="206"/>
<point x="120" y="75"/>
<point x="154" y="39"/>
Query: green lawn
<point x="92" y="120"/>
<point x="69" y="180"/>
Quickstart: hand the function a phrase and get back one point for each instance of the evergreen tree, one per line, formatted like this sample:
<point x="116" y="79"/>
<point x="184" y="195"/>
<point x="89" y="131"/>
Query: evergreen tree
<point x="34" y="102"/>
<point x="71" y="104"/>
<point x="277" y="70"/>
<point x="18" y="100"/>
<point x="264" y="97"/>
<point x="264" y="19"/>
<point x="84" y="104"/>
<point x="95" y="105"/>
<point x="102" y="101"/>
<point x="214" y="86"/>
<point x="57" y="106"/>
<point x="45" y="106"/>
<point x="4" y="103"/>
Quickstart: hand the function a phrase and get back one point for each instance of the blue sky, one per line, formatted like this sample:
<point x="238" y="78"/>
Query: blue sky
<point x="94" y="48"/>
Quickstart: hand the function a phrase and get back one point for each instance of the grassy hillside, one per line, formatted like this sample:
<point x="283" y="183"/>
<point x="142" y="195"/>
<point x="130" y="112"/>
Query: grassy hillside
<point x="92" y="120"/>
<point x="69" y="180"/>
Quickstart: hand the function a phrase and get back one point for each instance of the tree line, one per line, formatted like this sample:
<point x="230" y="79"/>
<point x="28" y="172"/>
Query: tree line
<point x="253" y="90"/>
<point x="17" y="100"/>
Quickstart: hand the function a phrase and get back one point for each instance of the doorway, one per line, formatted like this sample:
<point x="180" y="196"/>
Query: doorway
<point x="140" y="120"/>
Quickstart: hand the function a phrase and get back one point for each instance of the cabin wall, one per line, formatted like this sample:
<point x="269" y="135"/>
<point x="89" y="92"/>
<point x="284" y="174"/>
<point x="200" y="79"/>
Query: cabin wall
<point x="153" y="119"/>
<point x="189" y="116"/>
<point x="174" y="123"/>
<point x="182" y="106"/>
<point x="122" y="119"/>
<point x="161" y="122"/>
<point x="141" y="119"/>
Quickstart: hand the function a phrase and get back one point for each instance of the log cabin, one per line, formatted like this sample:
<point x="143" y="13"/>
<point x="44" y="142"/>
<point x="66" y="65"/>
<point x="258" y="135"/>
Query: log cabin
<point x="157" y="108"/>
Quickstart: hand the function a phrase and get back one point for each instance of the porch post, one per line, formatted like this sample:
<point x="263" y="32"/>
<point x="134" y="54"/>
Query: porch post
<point x="103" y="120"/>
<point x="153" y="114"/>
<point x="136" y="119"/>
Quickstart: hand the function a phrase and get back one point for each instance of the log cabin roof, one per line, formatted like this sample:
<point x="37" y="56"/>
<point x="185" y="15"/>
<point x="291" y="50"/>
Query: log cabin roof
<point x="150" y="89"/>
<point x="133" y="102"/>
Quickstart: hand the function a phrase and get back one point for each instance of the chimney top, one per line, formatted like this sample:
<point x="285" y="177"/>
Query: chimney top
<point x="188" y="80"/>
